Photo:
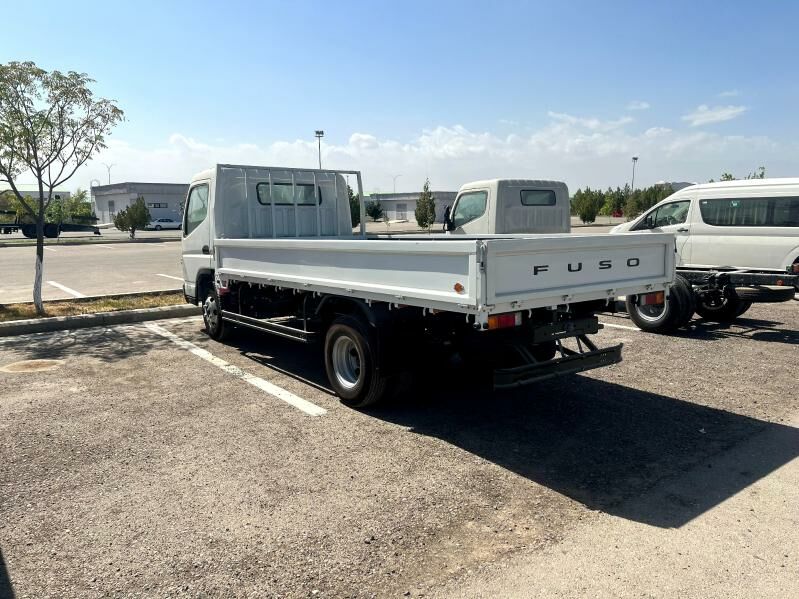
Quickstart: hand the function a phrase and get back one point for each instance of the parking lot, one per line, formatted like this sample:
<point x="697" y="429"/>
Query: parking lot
<point x="91" y="269"/>
<point x="150" y="460"/>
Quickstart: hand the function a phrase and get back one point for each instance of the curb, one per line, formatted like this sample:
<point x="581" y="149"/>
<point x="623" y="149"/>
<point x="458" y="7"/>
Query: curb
<point x="92" y="298"/>
<point x="100" y="319"/>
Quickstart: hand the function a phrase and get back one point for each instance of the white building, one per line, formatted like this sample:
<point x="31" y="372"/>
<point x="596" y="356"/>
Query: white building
<point x="164" y="200"/>
<point x="401" y="206"/>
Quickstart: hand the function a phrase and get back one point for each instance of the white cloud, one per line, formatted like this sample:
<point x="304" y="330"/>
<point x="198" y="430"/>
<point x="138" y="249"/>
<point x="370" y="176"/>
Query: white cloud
<point x="578" y="150"/>
<point x="637" y="105"/>
<point x="730" y="93"/>
<point x="705" y="115"/>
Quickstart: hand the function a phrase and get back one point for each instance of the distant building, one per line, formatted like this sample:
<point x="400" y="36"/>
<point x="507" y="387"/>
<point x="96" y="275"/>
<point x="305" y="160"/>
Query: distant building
<point x="675" y="185"/>
<point x="401" y="206"/>
<point x="164" y="200"/>
<point x="32" y="190"/>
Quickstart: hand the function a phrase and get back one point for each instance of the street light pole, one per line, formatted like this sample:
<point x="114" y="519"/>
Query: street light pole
<point x="632" y="184"/>
<point x="108" y="168"/>
<point x="319" y="135"/>
<point x="395" y="182"/>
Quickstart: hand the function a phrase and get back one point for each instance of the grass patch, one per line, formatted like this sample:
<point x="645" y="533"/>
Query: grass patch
<point x="25" y="311"/>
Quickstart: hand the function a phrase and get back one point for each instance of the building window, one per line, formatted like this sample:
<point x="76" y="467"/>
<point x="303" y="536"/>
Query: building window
<point x="157" y="205"/>
<point x="111" y="206"/>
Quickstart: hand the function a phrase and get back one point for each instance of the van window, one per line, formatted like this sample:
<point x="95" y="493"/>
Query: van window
<point x="471" y="205"/>
<point x="196" y="208"/>
<point x="673" y="213"/>
<point x="283" y="194"/>
<point x="538" y="197"/>
<point x="751" y="212"/>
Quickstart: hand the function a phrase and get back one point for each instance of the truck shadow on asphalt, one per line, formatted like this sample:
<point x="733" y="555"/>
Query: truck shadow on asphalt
<point x="6" y="589"/>
<point x="638" y="455"/>
<point x="745" y="328"/>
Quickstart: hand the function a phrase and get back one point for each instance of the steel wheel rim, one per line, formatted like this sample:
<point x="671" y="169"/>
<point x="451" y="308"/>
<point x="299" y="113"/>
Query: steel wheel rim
<point x="210" y="313"/>
<point x="652" y="312"/>
<point x="346" y="358"/>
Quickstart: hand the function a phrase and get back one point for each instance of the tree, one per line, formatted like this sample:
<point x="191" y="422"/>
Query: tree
<point x="727" y="177"/>
<point x="355" y="207"/>
<point x="50" y="125"/>
<point x="134" y="217"/>
<point x="76" y="207"/>
<point x="425" y="208"/>
<point x="374" y="210"/>
<point x="760" y="173"/>
<point x="587" y="203"/>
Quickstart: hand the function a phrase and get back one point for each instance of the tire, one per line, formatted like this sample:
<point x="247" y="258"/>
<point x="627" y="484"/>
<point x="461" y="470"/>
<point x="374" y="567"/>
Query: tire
<point x="217" y="329"/>
<point x="687" y="301"/>
<point x="668" y="319"/>
<point x="352" y="364"/>
<point x="743" y="307"/>
<point x="28" y="231"/>
<point x="51" y="230"/>
<point x="766" y="294"/>
<point x="157" y="227"/>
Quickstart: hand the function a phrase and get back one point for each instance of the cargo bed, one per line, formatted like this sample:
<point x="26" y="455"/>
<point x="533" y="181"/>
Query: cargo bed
<point x="472" y="275"/>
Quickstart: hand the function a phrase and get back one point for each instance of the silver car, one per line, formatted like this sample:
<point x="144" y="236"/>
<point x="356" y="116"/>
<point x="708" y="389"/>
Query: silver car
<point x="163" y="223"/>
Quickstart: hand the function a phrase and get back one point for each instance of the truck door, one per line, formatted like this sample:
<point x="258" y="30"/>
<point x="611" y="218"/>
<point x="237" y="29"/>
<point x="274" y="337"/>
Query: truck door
<point x="196" y="237"/>
<point x="671" y="217"/>
<point x="470" y="212"/>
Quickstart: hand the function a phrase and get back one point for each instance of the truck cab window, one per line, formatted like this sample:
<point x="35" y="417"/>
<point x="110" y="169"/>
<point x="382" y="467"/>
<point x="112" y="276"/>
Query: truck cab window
<point x="673" y="213"/>
<point x="470" y="205"/>
<point x="196" y="209"/>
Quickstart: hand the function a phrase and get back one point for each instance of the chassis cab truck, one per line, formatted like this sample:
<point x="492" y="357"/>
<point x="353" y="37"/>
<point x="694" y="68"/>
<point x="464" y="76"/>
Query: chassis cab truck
<point x="273" y="249"/>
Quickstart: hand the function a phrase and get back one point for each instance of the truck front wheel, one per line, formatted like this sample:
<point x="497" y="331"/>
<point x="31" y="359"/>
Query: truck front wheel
<point x="351" y="363"/>
<point x="216" y="328"/>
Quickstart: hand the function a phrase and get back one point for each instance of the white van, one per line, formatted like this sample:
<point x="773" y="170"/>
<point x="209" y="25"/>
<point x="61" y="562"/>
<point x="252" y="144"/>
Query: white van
<point x="751" y="224"/>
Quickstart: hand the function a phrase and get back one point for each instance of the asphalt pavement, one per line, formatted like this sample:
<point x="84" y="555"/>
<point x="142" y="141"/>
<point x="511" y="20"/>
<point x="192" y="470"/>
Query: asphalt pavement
<point x="91" y="269"/>
<point x="149" y="460"/>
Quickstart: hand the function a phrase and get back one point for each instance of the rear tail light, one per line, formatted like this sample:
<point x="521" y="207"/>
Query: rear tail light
<point x="795" y="268"/>
<point x="505" y="321"/>
<point x="649" y="299"/>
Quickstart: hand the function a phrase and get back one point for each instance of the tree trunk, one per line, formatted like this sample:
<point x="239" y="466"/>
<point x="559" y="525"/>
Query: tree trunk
<point x="37" y="281"/>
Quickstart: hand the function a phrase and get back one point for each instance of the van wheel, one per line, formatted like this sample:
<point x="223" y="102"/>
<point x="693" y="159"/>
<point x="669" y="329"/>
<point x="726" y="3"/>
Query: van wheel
<point x="743" y="307"/>
<point x="216" y="328"/>
<point x="725" y="309"/>
<point x="352" y="364"/>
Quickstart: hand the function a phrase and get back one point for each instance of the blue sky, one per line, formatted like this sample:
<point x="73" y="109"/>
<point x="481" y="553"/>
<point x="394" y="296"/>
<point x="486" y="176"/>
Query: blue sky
<point x="450" y="90"/>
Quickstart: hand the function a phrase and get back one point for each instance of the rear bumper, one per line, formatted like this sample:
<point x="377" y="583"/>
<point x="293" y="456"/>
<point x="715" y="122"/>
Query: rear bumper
<point x="505" y="378"/>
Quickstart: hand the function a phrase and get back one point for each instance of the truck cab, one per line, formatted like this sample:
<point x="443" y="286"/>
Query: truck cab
<point x="506" y="206"/>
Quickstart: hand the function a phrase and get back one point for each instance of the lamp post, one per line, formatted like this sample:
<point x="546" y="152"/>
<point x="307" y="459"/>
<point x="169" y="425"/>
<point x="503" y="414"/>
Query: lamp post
<point x="395" y="177"/>
<point x="632" y="184"/>
<point x="108" y="168"/>
<point x="319" y="135"/>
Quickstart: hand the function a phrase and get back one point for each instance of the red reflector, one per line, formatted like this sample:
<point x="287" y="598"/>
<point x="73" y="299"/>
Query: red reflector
<point x="796" y="268"/>
<point x="649" y="299"/>
<point x="504" y="321"/>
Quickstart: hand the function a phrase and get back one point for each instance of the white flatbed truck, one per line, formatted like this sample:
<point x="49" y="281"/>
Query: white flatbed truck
<point x="273" y="249"/>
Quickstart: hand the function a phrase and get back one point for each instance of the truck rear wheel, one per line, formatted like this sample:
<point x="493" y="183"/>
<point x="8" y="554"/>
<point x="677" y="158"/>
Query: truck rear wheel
<point x="675" y="312"/>
<point x="725" y="309"/>
<point x="352" y="364"/>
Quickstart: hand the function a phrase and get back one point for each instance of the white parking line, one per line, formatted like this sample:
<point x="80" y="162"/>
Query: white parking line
<point x="104" y="245"/>
<point x="273" y="390"/>
<point x="72" y="292"/>
<point x="620" y="326"/>
<point x="47" y="249"/>
<point x="158" y="274"/>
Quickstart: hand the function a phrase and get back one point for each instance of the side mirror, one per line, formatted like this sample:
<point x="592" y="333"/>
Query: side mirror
<point x="448" y="224"/>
